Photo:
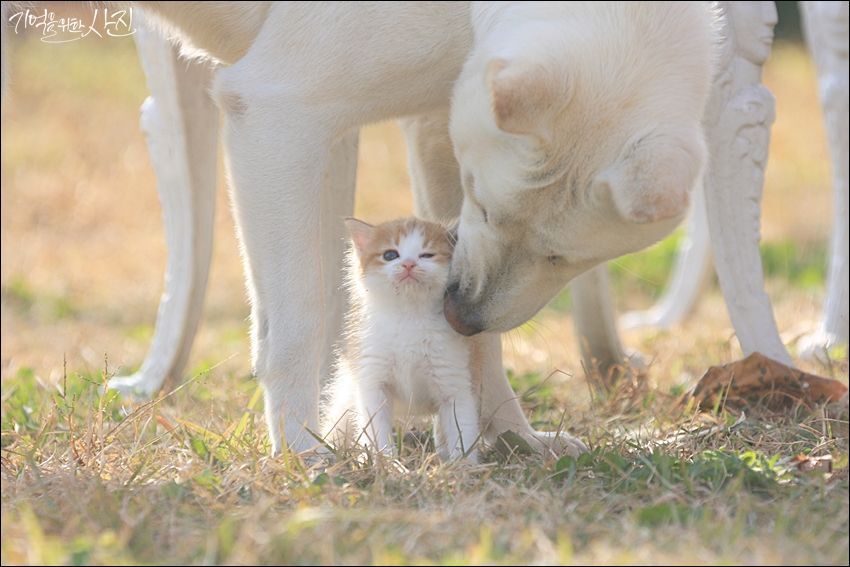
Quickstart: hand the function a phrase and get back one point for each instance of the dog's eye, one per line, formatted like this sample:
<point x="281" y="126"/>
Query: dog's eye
<point x="554" y="259"/>
<point x="426" y="255"/>
<point x="390" y="255"/>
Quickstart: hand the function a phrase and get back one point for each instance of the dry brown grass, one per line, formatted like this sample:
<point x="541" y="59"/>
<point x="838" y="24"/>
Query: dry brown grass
<point x="187" y="479"/>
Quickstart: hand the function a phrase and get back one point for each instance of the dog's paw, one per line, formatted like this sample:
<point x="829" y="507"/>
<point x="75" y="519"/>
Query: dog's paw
<point x="547" y="443"/>
<point x="556" y="443"/>
<point x="816" y="346"/>
<point x="136" y="386"/>
<point x="318" y="458"/>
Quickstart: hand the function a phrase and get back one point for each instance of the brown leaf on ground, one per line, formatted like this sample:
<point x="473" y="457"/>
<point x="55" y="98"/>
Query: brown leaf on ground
<point x="809" y="463"/>
<point x="758" y="380"/>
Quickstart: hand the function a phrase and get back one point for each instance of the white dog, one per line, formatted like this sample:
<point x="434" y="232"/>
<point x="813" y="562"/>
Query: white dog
<point x="562" y="133"/>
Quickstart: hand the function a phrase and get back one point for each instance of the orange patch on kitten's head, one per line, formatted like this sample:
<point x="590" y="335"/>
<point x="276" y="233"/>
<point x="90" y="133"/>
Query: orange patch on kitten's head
<point x="370" y="242"/>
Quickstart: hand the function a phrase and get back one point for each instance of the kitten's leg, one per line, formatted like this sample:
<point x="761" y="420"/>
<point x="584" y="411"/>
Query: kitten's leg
<point x="376" y="419"/>
<point x="457" y="421"/>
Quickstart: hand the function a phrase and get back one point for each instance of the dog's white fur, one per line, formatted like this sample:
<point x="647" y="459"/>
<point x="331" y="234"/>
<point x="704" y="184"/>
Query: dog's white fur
<point x="575" y="126"/>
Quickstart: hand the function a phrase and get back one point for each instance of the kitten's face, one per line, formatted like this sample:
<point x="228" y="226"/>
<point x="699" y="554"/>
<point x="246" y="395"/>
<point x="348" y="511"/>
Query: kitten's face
<point x="407" y="257"/>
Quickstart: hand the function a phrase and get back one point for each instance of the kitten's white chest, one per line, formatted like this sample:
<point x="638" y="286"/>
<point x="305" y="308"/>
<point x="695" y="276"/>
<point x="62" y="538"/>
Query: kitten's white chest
<point x="421" y="354"/>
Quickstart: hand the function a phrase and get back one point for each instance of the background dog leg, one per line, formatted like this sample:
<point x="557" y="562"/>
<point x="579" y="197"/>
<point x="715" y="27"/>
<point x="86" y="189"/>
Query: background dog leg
<point x="434" y="171"/>
<point x="596" y="326"/>
<point x="181" y="124"/>
<point x="693" y="262"/>
<point x="826" y="25"/>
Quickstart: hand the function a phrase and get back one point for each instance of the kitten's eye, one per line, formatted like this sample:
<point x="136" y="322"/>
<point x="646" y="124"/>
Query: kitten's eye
<point x="426" y="255"/>
<point x="554" y="259"/>
<point x="390" y="255"/>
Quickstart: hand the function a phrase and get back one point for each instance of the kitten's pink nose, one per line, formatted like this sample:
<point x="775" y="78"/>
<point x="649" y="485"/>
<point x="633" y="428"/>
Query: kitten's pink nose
<point x="408" y="265"/>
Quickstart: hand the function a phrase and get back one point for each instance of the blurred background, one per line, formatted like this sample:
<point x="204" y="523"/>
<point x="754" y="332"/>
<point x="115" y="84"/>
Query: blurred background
<point x="83" y="250"/>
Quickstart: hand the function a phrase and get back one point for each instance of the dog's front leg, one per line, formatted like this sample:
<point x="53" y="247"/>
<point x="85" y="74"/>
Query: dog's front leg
<point x="435" y="177"/>
<point x="280" y="154"/>
<point x="500" y="409"/>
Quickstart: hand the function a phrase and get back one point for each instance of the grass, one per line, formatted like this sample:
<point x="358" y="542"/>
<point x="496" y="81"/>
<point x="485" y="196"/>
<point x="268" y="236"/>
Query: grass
<point x="92" y="479"/>
<point x="88" y="480"/>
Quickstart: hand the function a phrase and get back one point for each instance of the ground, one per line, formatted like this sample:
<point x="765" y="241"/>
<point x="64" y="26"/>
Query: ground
<point x="88" y="479"/>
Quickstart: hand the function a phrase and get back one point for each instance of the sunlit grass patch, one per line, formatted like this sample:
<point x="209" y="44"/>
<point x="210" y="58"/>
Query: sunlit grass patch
<point x="91" y="479"/>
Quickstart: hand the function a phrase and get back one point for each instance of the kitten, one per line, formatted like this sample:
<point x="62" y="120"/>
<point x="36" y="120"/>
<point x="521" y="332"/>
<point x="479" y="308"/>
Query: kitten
<point x="401" y="357"/>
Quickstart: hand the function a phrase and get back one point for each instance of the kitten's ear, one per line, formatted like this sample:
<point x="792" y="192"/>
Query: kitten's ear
<point x="361" y="232"/>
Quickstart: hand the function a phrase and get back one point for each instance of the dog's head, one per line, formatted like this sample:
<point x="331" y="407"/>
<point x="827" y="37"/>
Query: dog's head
<point x="579" y="140"/>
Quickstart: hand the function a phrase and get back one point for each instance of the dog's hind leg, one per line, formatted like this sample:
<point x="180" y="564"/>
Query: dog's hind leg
<point x="434" y="171"/>
<point x="691" y="270"/>
<point x="602" y="351"/>
<point x="181" y="124"/>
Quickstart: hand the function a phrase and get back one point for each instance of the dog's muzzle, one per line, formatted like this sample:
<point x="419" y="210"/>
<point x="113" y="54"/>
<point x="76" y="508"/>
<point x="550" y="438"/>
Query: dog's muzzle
<point x="458" y="315"/>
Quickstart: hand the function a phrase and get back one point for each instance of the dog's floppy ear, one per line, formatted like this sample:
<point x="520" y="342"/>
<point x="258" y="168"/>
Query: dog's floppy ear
<point x="361" y="232"/>
<point x="524" y="95"/>
<point x="654" y="181"/>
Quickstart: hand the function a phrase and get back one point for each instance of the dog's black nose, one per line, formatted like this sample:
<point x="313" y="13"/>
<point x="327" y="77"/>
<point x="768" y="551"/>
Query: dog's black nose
<point x="453" y="312"/>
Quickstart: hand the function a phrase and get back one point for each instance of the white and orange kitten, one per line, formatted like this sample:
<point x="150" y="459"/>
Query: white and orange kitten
<point x="401" y="358"/>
